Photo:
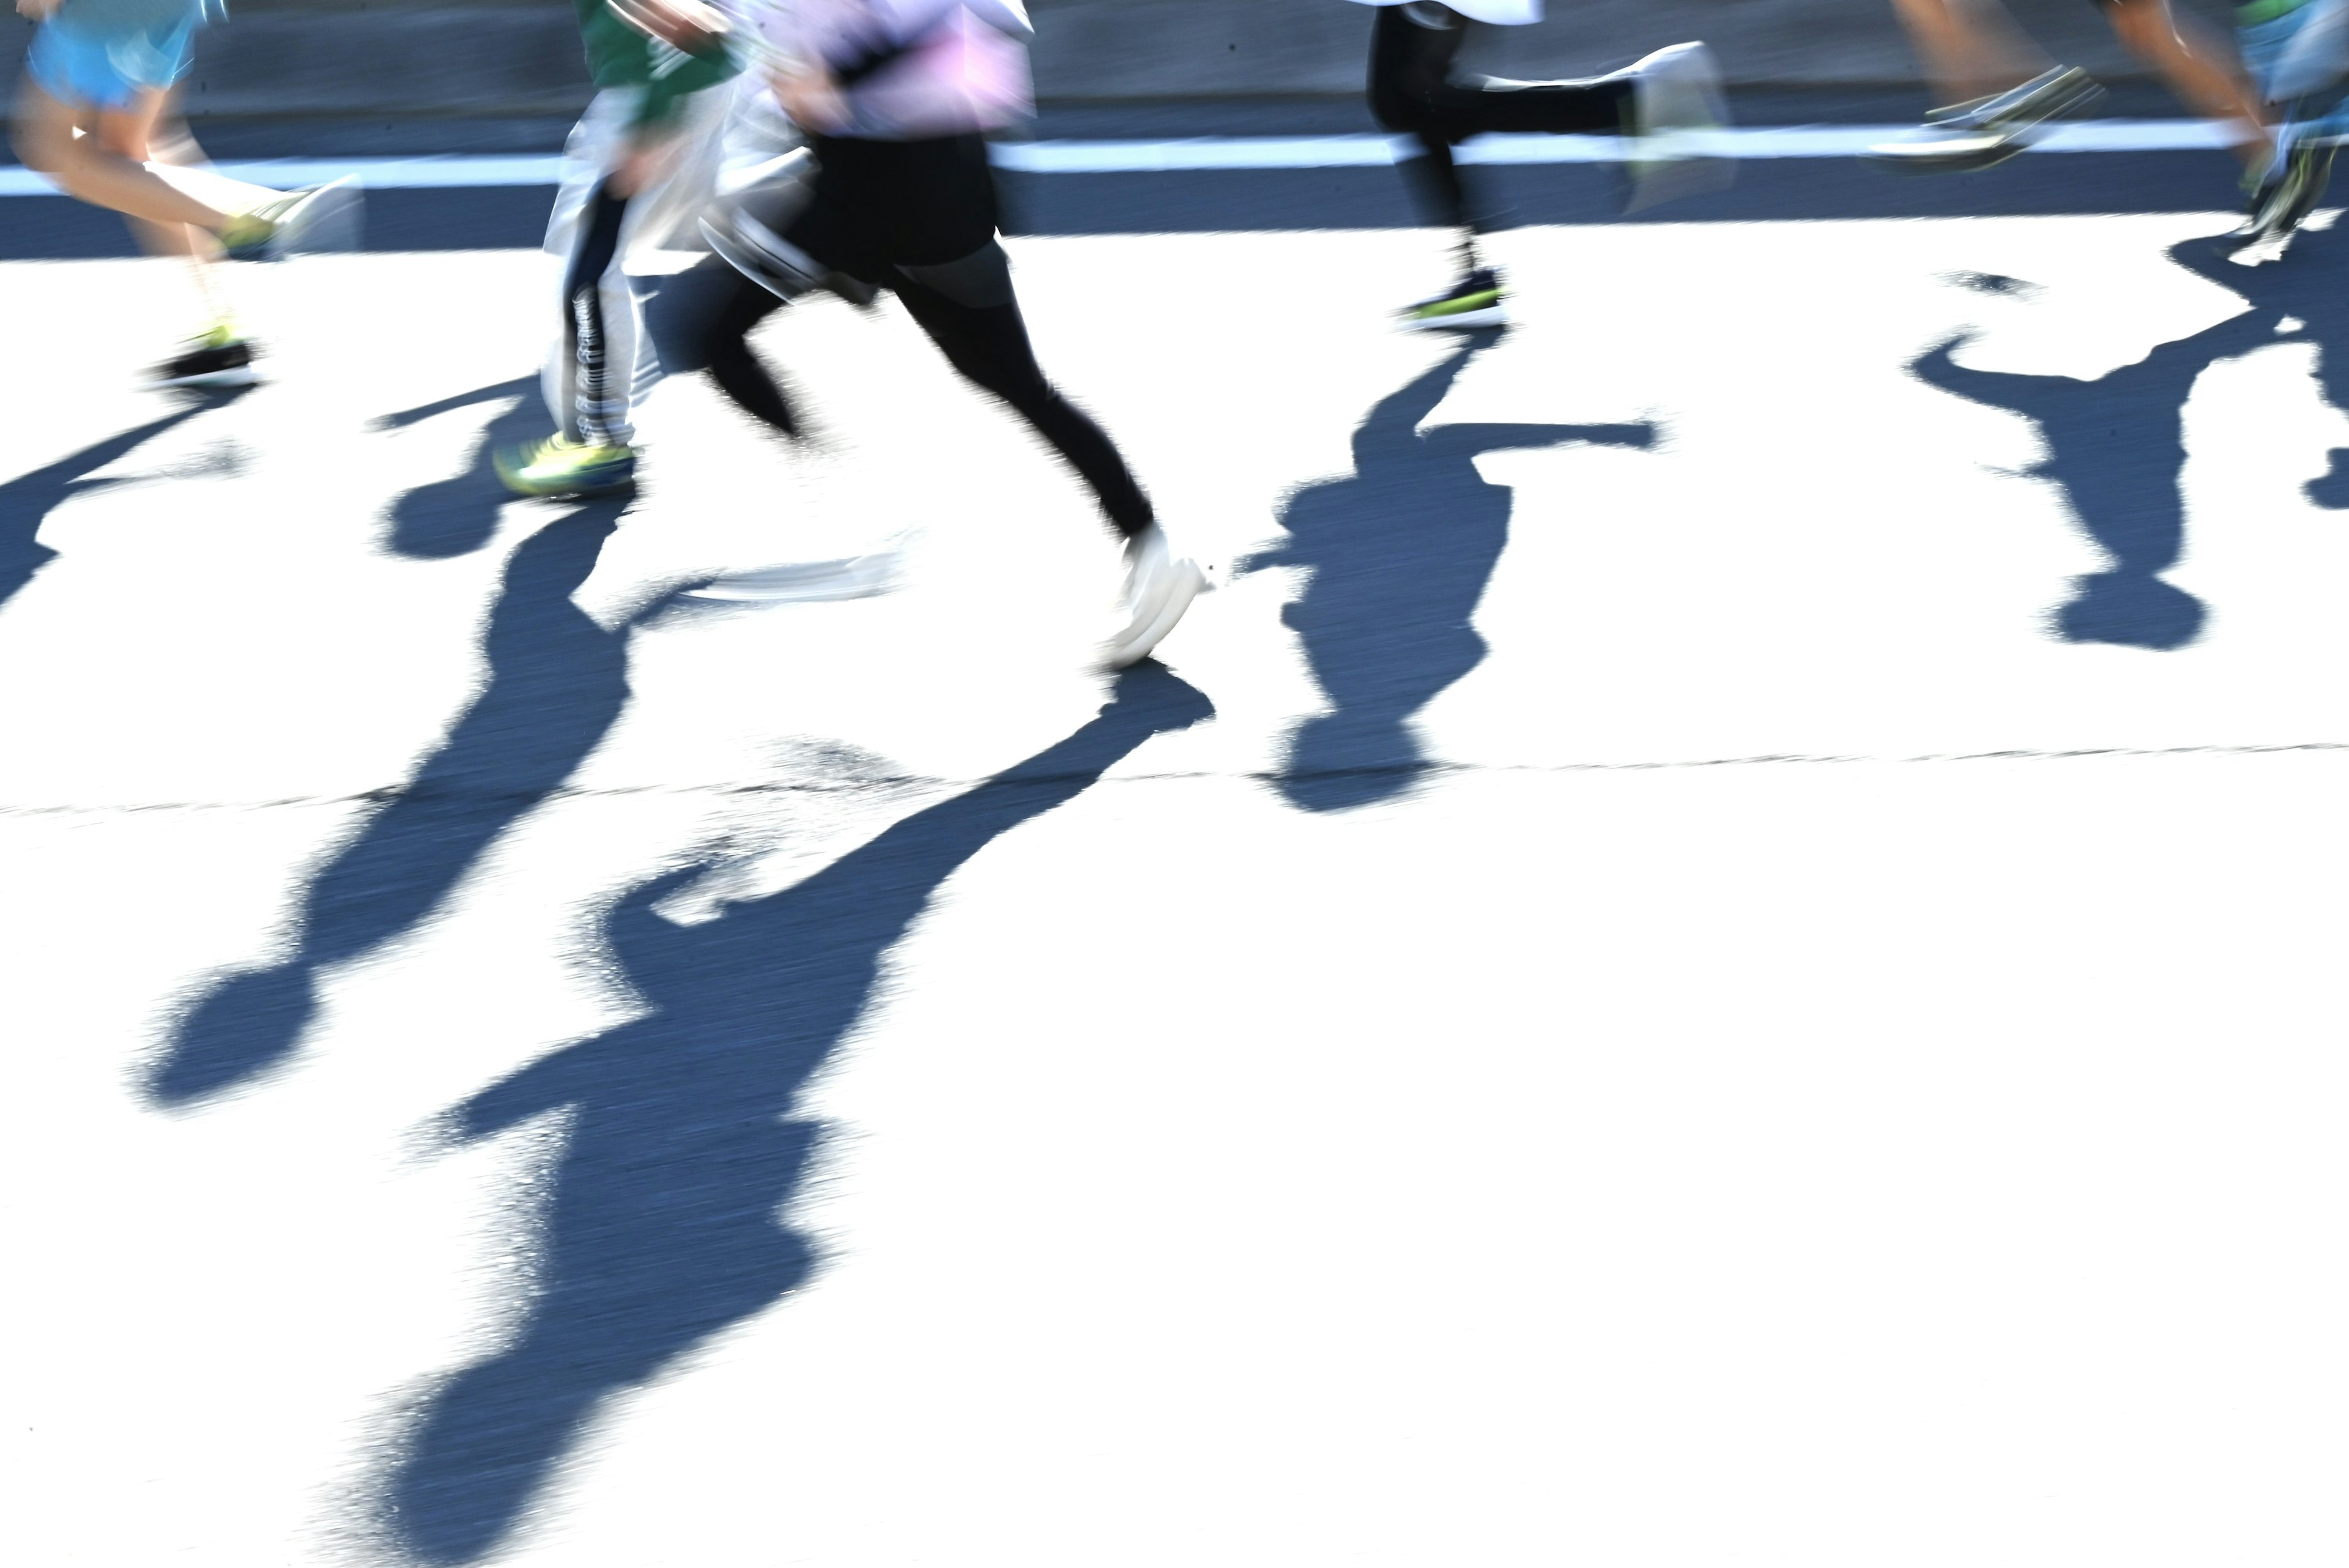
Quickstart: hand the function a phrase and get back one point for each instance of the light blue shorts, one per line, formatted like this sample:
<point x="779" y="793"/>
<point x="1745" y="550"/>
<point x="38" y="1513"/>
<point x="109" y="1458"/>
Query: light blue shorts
<point x="110" y="70"/>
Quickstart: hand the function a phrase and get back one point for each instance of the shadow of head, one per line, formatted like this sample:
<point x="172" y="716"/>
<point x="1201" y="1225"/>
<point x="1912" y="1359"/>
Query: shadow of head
<point x="456" y="516"/>
<point x="2116" y="448"/>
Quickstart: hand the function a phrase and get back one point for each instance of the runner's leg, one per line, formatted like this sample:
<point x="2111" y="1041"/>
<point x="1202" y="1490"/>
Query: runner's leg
<point x="724" y="350"/>
<point x="970" y="311"/>
<point x="89" y="168"/>
<point x="1997" y="88"/>
<point x="1970" y="48"/>
<point x="599" y="318"/>
<point x="591" y="372"/>
<point x="2196" y="68"/>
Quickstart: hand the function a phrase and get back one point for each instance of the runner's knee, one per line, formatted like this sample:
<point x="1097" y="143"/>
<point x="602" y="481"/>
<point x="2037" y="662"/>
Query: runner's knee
<point x="980" y="281"/>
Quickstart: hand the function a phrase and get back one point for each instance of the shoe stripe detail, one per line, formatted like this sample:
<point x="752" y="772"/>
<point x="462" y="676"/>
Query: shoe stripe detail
<point x="1438" y="307"/>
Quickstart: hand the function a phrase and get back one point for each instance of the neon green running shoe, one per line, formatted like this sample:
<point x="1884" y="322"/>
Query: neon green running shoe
<point x="325" y="217"/>
<point x="560" y="466"/>
<point x="1475" y="301"/>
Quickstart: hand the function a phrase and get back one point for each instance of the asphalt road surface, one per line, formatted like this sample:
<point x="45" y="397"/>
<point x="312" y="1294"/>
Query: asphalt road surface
<point x="1722" y="945"/>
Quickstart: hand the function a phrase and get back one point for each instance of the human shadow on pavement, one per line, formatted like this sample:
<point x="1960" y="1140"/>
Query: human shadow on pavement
<point x="557" y="681"/>
<point x="1399" y="553"/>
<point x="27" y="501"/>
<point x="683" y="1140"/>
<point x="2117" y="444"/>
<point x="2305" y="286"/>
<point x="456" y="516"/>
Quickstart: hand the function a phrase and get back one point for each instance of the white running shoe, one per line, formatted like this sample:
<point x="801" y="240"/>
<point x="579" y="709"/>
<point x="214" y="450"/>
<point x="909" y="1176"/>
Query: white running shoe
<point x="1987" y="131"/>
<point x="1677" y="113"/>
<point x="331" y="217"/>
<point x="1159" y="586"/>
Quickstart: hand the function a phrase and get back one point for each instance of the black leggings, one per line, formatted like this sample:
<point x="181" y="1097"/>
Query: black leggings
<point x="919" y="217"/>
<point x="1413" y="92"/>
<point x="593" y="407"/>
<point x="989" y="344"/>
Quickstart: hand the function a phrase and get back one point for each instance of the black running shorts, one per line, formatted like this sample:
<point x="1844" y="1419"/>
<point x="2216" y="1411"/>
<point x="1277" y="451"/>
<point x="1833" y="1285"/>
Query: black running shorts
<point x="877" y="205"/>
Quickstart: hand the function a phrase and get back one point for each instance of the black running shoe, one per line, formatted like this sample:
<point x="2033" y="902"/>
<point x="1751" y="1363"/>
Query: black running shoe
<point x="218" y="359"/>
<point x="1475" y="301"/>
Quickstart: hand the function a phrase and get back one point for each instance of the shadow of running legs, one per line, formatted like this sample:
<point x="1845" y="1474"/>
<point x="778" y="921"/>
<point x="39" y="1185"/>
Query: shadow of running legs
<point x="27" y="501"/>
<point x="2295" y="299"/>
<point x="684" y="1142"/>
<point x="557" y="681"/>
<point x="1399" y="553"/>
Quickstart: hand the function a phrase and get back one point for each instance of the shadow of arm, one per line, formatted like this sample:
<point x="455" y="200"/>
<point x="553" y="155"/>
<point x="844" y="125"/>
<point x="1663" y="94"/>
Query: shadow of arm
<point x="1469" y="441"/>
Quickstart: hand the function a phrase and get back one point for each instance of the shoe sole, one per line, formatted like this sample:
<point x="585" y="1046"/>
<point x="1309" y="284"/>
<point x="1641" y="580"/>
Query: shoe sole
<point x="242" y="376"/>
<point x="1133" y="646"/>
<point x="1991" y="144"/>
<point x="1460" y="320"/>
<point x="566" y="492"/>
<point x="536" y="492"/>
<point x="1945" y="158"/>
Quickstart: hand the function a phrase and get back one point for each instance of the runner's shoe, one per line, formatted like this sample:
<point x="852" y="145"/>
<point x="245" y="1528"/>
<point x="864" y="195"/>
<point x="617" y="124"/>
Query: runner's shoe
<point x="1966" y="137"/>
<point x="1674" y="118"/>
<point x="323" y="217"/>
<point x="1159" y="586"/>
<point x="560" y="466"/>
<point x="1476" y="301"/>
<point x="219" y="357"/>
<point x="2295" y="183"/>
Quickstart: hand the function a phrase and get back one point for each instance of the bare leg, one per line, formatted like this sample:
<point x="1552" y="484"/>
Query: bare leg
<point x="1970" y="48"/>
<point x="102" y="158"/>
<point x="2197" y="72"/>
<point x="131" y="136"/>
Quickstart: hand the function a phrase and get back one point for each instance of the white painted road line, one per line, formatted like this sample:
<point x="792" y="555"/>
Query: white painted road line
<point x="1202" y="154"/>
<point x="1214" y="152"/>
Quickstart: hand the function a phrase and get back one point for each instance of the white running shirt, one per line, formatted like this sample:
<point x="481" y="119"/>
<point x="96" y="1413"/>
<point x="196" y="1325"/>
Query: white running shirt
<point x="1501" y="13"/>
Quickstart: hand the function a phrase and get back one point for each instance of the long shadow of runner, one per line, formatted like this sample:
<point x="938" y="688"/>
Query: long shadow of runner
<point x="1400" y="554"/>
<point x="27" y="501"/>
<point x="683" y="1145"/>
<point x="2117" y="444"/>
<point x="557" y="681"/>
